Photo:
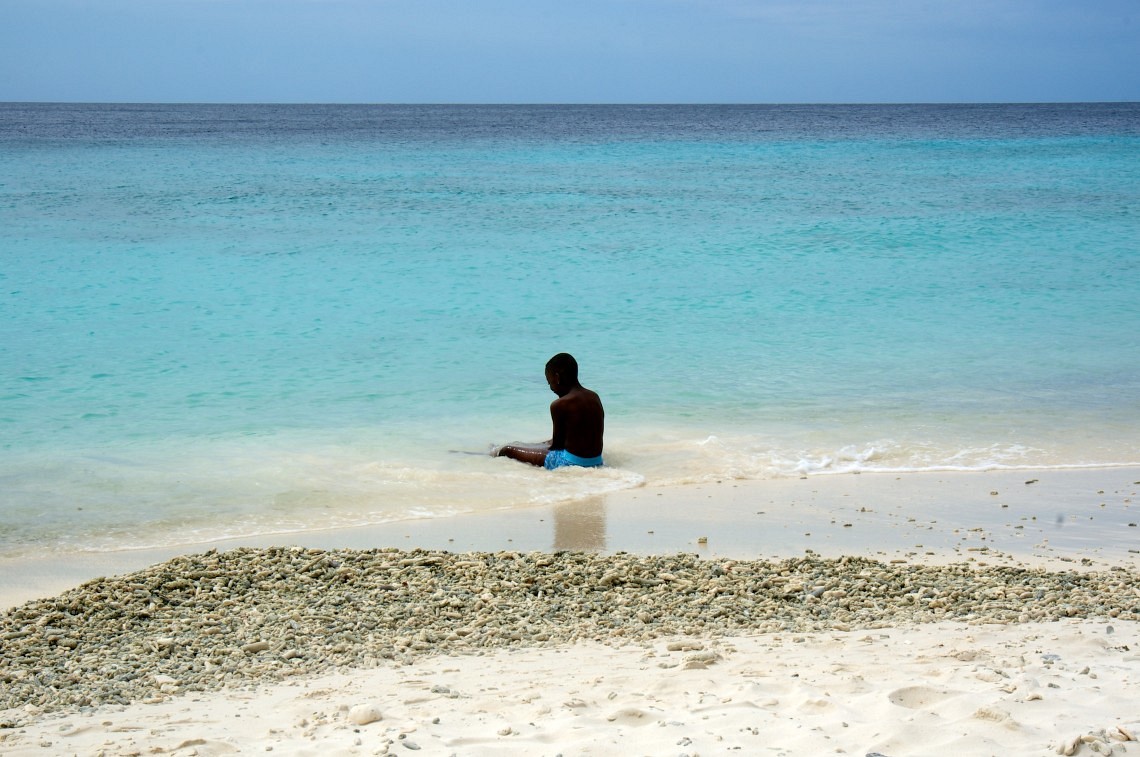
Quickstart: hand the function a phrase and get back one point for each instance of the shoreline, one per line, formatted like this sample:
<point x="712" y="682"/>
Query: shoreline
<point x="1064" y="518"/>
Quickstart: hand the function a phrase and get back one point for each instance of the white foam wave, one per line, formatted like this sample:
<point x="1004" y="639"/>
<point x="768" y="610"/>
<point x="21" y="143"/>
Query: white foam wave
<point x="716" y="457"/>
<point x="186" y="494"/>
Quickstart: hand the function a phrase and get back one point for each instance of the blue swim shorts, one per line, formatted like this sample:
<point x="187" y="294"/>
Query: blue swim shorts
<point x="559" y="458"/>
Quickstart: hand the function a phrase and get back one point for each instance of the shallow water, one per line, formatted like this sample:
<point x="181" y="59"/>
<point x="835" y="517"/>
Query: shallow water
<point x="227" y="320"/>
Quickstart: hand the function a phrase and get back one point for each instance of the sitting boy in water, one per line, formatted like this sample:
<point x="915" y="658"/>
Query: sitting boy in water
<point x="578" y="420"/>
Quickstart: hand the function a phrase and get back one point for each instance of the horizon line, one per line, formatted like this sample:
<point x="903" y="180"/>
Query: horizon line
<point x="570" y="103"/>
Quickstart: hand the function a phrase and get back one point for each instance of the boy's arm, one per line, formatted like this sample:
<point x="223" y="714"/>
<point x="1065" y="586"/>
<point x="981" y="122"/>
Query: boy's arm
<point x="535" y="454"/>
<point x="558" y="422"/>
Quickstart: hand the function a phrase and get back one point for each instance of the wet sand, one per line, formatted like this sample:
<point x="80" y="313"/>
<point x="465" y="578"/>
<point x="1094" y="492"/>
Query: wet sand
<point x="1061" y="519"/>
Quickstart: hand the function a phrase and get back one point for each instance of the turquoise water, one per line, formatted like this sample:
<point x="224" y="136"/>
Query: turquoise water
<point x="228" y="320"/>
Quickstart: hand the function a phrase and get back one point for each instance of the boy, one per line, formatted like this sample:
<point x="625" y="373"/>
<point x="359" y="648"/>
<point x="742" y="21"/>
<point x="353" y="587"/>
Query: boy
<point x="578" y="420"/>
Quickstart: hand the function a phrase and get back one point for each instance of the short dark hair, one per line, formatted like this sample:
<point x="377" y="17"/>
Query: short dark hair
<point x="564" y="365"/>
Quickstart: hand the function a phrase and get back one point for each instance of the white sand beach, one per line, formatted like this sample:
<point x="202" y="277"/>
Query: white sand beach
<point x="1037" y="689"/>
<point x="988" y="681"/>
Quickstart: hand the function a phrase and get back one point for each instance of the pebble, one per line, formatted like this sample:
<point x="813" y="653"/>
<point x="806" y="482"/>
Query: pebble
<point x="212" y="621"/>
<point x="363" y="714"/>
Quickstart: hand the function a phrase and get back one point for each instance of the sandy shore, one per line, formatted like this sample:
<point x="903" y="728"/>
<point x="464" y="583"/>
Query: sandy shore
<point x="1039" y="689"/>
<point x="986" y="614"/>
<point x="1064" y="517"/>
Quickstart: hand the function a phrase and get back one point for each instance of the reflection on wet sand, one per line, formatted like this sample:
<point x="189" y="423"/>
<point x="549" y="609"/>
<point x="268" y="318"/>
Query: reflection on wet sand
<point x="581" y="525"/>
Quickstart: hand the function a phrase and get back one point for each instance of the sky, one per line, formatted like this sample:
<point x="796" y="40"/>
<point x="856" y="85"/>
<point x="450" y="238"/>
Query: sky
<point x="569" y="51"/>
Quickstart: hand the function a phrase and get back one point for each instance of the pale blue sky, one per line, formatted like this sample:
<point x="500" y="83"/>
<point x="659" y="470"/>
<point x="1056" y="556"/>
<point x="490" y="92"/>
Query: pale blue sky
<point x="597" y="51"/>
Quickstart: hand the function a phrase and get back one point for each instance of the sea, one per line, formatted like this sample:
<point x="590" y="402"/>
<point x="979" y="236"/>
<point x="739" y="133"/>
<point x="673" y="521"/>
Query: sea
<point x="236" y="320"/>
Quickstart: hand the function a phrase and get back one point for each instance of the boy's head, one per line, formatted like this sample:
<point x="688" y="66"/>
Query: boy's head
<point x="562" y="371"/>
